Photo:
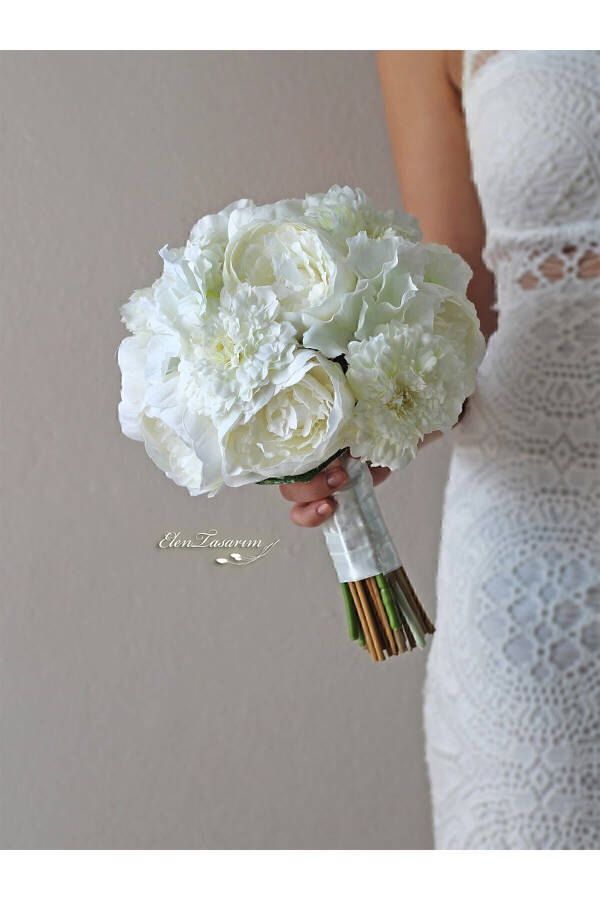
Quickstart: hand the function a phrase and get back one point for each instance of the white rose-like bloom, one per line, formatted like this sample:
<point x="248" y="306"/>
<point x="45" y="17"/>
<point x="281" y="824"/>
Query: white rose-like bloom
<point x="297" y="429"/>
<point x="408" y="382"/>
<point x="184" y="445"/>
<point x="291" y="258"/>
<point x="193" y="464"/>
<point x="210" y="235"/>
<point x="174" y="304"/>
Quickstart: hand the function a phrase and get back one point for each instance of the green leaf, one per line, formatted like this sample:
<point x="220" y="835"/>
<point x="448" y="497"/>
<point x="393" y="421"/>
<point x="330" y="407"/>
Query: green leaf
<point x="306" y="476"/>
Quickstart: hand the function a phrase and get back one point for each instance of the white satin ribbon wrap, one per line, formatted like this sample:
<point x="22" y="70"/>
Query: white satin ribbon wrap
<point x="356" y="535"/>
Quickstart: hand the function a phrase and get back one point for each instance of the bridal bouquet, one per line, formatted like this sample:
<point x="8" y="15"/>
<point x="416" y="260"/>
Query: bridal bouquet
<point x="283" y="336"/>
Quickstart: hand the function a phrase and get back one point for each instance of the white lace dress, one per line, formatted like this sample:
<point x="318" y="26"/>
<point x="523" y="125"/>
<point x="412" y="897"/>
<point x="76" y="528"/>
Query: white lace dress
<point x="512" y="702"/>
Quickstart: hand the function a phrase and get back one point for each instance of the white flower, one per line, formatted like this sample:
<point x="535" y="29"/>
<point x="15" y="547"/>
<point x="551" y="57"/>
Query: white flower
<point x="229" y="377"/>
<point x="292" y="259"/>
<point x="444" y="267"/>
<point x="182" y="443"/>
<point x="344" y="212"/>
<point x="175" y="303"/>
<point x="210" y="235"/>
<point x="408" y="382"/>
<point x="387" y="270"/>
<point x="297" y="429"/>
<point x="417" y="284"/>
<point x="238" y="353"/>
<point x="193" y="463"/>
<point x="207" y="242"/>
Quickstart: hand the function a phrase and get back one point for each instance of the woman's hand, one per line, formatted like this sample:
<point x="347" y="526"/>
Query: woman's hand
<point x="313" y="500"/>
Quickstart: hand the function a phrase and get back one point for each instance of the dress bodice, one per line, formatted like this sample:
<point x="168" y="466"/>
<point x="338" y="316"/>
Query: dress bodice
<point x="533" y="122"/>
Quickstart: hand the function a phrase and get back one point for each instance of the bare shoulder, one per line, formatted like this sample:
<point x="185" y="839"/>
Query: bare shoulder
<point x="454" y="67"/>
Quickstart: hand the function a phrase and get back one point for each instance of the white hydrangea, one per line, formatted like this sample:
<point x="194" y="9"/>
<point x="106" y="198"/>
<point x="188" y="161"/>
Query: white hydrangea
<point x="370" y="241"/>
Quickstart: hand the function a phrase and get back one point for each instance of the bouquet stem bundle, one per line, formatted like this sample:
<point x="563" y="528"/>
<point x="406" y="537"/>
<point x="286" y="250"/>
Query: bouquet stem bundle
<point x="385" y="615"/>
<point x="383" y="611"/>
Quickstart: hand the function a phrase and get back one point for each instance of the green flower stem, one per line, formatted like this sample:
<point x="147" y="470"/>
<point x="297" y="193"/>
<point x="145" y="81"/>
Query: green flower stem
<point x="351" y="614"/>
<point x="305" y="476"/>
<point x="408" y="614"/>
<point x="388" y="601"/>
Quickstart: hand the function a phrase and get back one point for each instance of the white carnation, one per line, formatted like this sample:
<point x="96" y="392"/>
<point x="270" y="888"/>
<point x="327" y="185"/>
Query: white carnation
<point x="408" y="382"/>
<point x="239" y="352"/>
<point x="344" y="212"/>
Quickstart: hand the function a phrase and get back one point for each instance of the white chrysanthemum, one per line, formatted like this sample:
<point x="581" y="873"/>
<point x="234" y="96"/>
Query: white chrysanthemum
<point x="344" y="212"/>
<point x="297" y="429"/>
<point x="408" y="382"/>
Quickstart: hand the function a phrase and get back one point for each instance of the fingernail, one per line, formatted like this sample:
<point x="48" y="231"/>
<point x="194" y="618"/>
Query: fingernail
<point x="323" y="509"/>
<point x="336" y="478"/>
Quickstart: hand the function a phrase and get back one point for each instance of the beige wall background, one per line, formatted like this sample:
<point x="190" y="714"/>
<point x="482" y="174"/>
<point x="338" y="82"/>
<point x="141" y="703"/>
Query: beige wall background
<point x="154" y="699"/>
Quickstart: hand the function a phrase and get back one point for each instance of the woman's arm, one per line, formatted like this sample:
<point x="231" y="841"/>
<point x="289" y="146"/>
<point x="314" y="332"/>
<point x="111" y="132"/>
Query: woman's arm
<point x="430" y="147"/>
<point x="432" y="159"/>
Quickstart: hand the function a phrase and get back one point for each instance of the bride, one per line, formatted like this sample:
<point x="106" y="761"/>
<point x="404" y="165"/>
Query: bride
<point x="498" y="155"/>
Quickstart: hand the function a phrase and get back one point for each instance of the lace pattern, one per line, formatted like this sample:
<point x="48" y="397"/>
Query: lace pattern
<point x="567" y="258"/>
<point x="512" y="707"/>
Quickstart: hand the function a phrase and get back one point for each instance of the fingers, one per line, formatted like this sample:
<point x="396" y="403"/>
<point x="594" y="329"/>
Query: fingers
<point x="321" y="486"/>
<point x="313" y="503"/>
<point x="309" y="515"/>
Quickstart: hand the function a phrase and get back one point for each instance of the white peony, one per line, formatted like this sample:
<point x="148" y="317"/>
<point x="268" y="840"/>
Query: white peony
<point x="183" y="444"/>
<point x="174" y="304"/>
<point x="297" y="429"/>
<point x="408" y="382"/>
<point x="211" y="234"/>
<point x="291" y="258"/>
<point x="193" y="463"/>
